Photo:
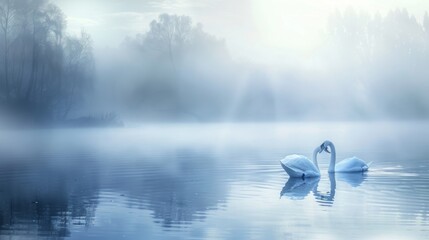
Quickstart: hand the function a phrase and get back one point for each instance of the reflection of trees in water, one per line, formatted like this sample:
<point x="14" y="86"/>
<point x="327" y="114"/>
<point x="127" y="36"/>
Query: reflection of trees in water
<point x="48" y="196"/>
<point x="38" y="198"/>
<point x="179" y="190"/>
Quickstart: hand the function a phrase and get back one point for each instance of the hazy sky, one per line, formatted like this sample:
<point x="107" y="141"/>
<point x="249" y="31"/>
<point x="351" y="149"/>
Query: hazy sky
<point x="261" y="30"/>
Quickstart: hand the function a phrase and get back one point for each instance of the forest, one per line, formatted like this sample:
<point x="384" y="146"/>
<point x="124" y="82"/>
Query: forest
<point x="45" y="73"/>
<point x="369" y="66"/>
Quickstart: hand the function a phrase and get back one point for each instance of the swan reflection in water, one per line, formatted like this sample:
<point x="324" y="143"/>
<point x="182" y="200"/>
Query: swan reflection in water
<point x="327" y="198"/>
<point x="353" y="179"/>
<point x="298" y="188"/>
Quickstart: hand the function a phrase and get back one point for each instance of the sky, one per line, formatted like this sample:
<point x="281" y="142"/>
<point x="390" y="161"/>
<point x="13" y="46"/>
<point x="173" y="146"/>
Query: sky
<point x="255" y="30"/>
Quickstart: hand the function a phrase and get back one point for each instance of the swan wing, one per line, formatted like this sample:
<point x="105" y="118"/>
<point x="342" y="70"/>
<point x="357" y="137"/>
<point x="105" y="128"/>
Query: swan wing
<point x="298" y="165"/>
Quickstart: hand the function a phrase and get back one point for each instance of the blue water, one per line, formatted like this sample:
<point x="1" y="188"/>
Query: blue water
<point x="213" y="181"/>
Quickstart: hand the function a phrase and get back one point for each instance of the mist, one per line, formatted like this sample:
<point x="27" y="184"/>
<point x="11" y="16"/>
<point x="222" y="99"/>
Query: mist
<point x="171" y="119"/>
<point x="179" y="62"/>
<point x="367" y="67"/>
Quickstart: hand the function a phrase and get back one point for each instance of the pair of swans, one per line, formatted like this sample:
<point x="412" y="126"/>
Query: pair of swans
<point x="301" y="166"/>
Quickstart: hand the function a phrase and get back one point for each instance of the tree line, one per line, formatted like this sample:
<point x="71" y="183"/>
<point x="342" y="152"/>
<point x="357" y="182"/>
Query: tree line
<point x="173" y="71"/>
<point x="374" y="66"/>
<point x="383" y="60"/>
<point x="44" y="72"/>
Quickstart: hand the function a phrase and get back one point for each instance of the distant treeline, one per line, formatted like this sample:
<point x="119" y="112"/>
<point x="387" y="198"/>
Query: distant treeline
<point x="381" y="62"/>
<point x="174" y="71"/>
<point x="44" y="73"/>
<point x="369" y="66"/>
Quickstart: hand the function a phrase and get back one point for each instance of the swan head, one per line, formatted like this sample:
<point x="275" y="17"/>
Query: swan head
<point x="324" y="147"/>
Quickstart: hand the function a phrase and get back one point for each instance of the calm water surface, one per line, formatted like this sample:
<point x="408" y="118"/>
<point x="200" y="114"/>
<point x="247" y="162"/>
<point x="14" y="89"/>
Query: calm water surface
<point x="213" y="182"/>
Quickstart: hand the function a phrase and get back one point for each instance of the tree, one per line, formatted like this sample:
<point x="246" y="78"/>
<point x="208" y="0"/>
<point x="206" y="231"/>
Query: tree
<point x="387" y="55"/>
<point x="426" y="22"/>
<point x="42" y="67"/>
<point x="169" y="67"/>
<point x="79" y="68"/>
<point x="7" y="22"/>
<point x="169" y="34"/>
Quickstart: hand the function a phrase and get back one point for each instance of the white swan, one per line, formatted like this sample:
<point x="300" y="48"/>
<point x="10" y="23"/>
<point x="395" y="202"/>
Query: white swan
<point x="300" y="166"/>
<point x="352" y="164"/>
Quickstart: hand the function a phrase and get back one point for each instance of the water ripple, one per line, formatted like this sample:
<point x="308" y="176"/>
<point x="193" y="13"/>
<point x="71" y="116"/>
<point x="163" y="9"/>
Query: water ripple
<point x="190" y="191"/>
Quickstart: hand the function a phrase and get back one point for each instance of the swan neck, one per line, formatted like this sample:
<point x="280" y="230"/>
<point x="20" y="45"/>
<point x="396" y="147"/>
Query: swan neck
<point x="333" y="157"/>
<point x="315" y="152"/>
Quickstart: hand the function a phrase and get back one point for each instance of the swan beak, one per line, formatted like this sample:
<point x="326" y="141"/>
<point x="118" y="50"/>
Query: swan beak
<point x="327" y="150"/>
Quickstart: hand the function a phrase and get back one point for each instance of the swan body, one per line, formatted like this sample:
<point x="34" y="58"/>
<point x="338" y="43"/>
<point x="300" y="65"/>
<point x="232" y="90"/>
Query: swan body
<point x="352" y="164"/>
<point x="298" y="166"/>
<point x="348" y="165"/>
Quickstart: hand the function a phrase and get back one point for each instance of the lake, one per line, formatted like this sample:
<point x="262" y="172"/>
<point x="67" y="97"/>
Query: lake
<point x="213" y="181"/>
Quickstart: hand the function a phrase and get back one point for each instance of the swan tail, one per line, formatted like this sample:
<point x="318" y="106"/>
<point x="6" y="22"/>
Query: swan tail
<point x="366" y="167"/>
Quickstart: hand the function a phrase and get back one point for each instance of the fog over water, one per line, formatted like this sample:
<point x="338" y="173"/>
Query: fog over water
<point x="212" y="181"/>
<point x="167" y="119"/>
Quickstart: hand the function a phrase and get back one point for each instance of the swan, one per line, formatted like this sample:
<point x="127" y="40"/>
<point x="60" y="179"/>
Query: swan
<point x="300" y="166"/>
<point x="352" y="164"/>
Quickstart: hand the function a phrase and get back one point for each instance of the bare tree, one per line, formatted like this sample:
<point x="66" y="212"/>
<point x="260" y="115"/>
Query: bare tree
<point x="7" y="18"/>
<point x="79" y="68"/>
<point x="169" y="33"/>
<point x="426" y="22"/>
